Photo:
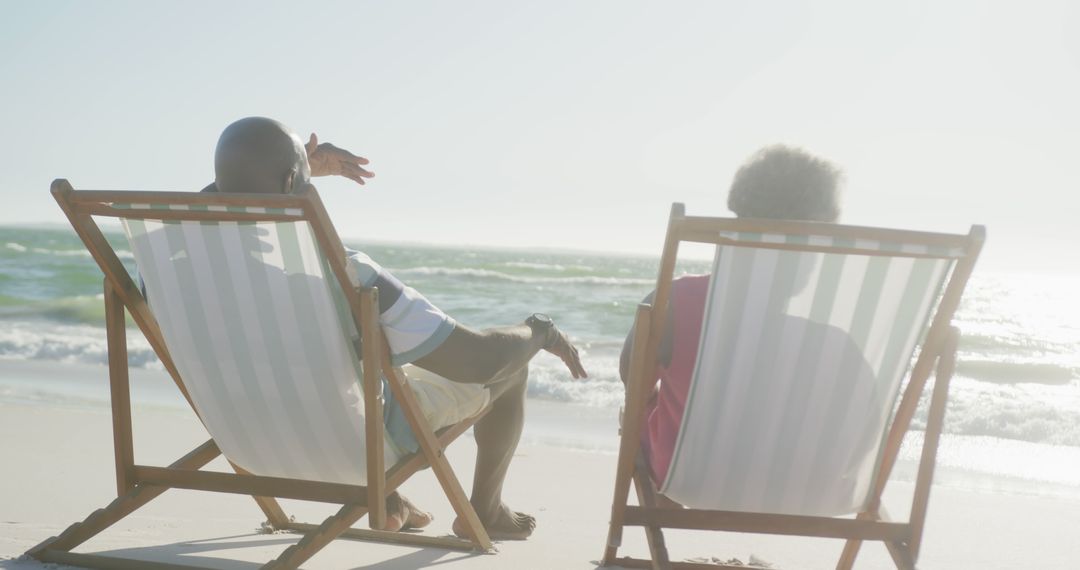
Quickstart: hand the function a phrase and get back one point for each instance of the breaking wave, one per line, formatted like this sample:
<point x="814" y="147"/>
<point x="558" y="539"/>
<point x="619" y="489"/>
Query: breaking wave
<point x="489" y="274"/>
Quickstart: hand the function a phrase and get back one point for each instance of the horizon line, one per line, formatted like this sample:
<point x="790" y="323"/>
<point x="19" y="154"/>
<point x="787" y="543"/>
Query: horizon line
<point x="413" y="243"/>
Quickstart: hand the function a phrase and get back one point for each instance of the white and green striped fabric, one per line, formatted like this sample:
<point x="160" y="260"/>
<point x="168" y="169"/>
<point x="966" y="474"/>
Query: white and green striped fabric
<point x="800" y="360"/>
<point x="260" y="333"/>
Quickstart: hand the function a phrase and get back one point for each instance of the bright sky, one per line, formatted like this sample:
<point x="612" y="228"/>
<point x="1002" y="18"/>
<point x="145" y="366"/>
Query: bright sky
<point x="566" y="124"/>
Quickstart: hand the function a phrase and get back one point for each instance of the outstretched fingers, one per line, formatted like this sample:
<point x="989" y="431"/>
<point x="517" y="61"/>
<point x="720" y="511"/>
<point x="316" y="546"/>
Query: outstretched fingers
<point x="568" y="353"/>
<point x="355" y="173"/>
<point x="326" y="159"/>
<point x="573" y="363"/>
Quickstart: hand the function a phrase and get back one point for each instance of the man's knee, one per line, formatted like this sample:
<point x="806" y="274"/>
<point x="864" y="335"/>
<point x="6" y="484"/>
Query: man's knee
<point x="512" y="384"/>
<point x="520" y="378"/>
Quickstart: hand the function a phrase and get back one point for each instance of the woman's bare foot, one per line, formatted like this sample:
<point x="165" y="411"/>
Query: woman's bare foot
<point x="401" y="514"/>
<point x="505" y="525"/>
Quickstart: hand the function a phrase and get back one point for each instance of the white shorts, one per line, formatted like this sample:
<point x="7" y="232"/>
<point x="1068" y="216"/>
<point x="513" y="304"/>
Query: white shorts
<point x="445" y="402"/>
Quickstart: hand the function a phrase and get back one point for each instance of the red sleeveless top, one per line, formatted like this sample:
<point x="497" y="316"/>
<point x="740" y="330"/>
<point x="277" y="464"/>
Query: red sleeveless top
<point x="664" y="415"/>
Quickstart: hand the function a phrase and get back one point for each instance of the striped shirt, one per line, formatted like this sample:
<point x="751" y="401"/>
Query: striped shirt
<point x="413" y="328"/>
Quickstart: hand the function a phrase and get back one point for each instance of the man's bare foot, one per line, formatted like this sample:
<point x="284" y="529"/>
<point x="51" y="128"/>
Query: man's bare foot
<point x="401" y="514"/>
<point x="505" y="525"/>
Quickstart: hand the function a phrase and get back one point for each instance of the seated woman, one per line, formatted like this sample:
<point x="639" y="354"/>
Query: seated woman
<point x="777" y="182"/>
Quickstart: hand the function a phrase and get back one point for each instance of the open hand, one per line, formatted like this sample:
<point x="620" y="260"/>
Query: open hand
<point x="560" y="346"/>
<point x="326" y="159"/>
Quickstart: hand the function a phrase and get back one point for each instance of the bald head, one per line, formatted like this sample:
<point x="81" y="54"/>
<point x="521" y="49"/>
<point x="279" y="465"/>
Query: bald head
<point x="260" y="155"/>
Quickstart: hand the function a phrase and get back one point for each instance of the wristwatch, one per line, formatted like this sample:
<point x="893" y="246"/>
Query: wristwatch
<point x="539" y="322"/>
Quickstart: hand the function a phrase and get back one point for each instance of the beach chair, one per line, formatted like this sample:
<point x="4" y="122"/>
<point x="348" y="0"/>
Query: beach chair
<point x="792" y="423"/>
<point x="249" y="306"/>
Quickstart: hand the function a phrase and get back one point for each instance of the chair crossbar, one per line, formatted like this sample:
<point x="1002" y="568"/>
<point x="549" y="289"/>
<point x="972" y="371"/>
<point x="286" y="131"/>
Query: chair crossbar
<point x="201" y="198"/>
<point x="105" y="210"/>
<point x="762" y="523"/>
<point x="280" y="487"/>
<point x="720" y="240"/>
<point x="683" y="225"/>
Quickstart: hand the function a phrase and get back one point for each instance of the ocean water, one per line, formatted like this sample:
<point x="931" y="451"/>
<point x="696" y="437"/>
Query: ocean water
<point x="1018" y="378"/>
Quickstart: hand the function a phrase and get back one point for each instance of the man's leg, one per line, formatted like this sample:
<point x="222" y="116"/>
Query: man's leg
<point x="497" y="435"/>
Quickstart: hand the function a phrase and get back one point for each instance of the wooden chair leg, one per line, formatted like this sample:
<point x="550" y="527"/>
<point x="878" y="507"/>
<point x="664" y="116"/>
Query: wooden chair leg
<point x="852" y="546"/>
<point x="371" y="342"/>
<point x="901" y="555"/>
<point x="935" y="419"/>
<point x="275" y="515"/>
<point x="119" y="389"/>
<point x="611" y="553"/>
<point x="623" y="480"/>
<point x="315" y="540"/>
<point x="898" y="551"/>
<point x="654" y="535"/>
<point x="433" y="450"/>
<point x="847" y="557"/>
<point x="630" y="430"/>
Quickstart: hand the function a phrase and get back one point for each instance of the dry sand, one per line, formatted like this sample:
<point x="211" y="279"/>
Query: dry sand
<point x="56" y="467"/>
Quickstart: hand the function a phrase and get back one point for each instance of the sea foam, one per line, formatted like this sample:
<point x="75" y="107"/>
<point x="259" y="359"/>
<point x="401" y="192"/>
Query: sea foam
<point x="500" y="276"/>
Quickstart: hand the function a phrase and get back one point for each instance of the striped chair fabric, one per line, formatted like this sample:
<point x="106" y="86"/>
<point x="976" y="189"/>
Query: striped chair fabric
<point x="261" y="335"/>
<point x="799" y="365"/>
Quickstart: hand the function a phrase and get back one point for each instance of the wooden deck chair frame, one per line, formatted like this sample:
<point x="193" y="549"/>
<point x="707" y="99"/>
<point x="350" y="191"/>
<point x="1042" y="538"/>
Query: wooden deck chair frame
<point x="137" y="484"/>
<point x="655" y="512"/>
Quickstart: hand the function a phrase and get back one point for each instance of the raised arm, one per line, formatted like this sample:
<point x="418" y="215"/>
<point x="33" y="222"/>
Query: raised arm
<point x="481" y="356"/>
<point x="326" y="160"/>
<point x="460" y="353"/>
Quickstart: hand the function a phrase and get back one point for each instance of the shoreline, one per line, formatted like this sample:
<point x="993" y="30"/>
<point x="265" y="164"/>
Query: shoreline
<point x="964" y="462"/>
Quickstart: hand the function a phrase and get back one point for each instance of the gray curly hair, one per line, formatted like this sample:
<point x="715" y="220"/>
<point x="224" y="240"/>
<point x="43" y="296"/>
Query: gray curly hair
<point x="783" y="182"/>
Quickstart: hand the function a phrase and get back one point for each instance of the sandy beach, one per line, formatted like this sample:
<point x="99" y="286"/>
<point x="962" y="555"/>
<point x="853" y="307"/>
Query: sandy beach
<point x="58" y="467"/>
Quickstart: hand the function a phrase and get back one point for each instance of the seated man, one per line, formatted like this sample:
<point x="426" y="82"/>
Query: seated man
<point x="778" y="182"/>
<point x="455" y="370"/>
